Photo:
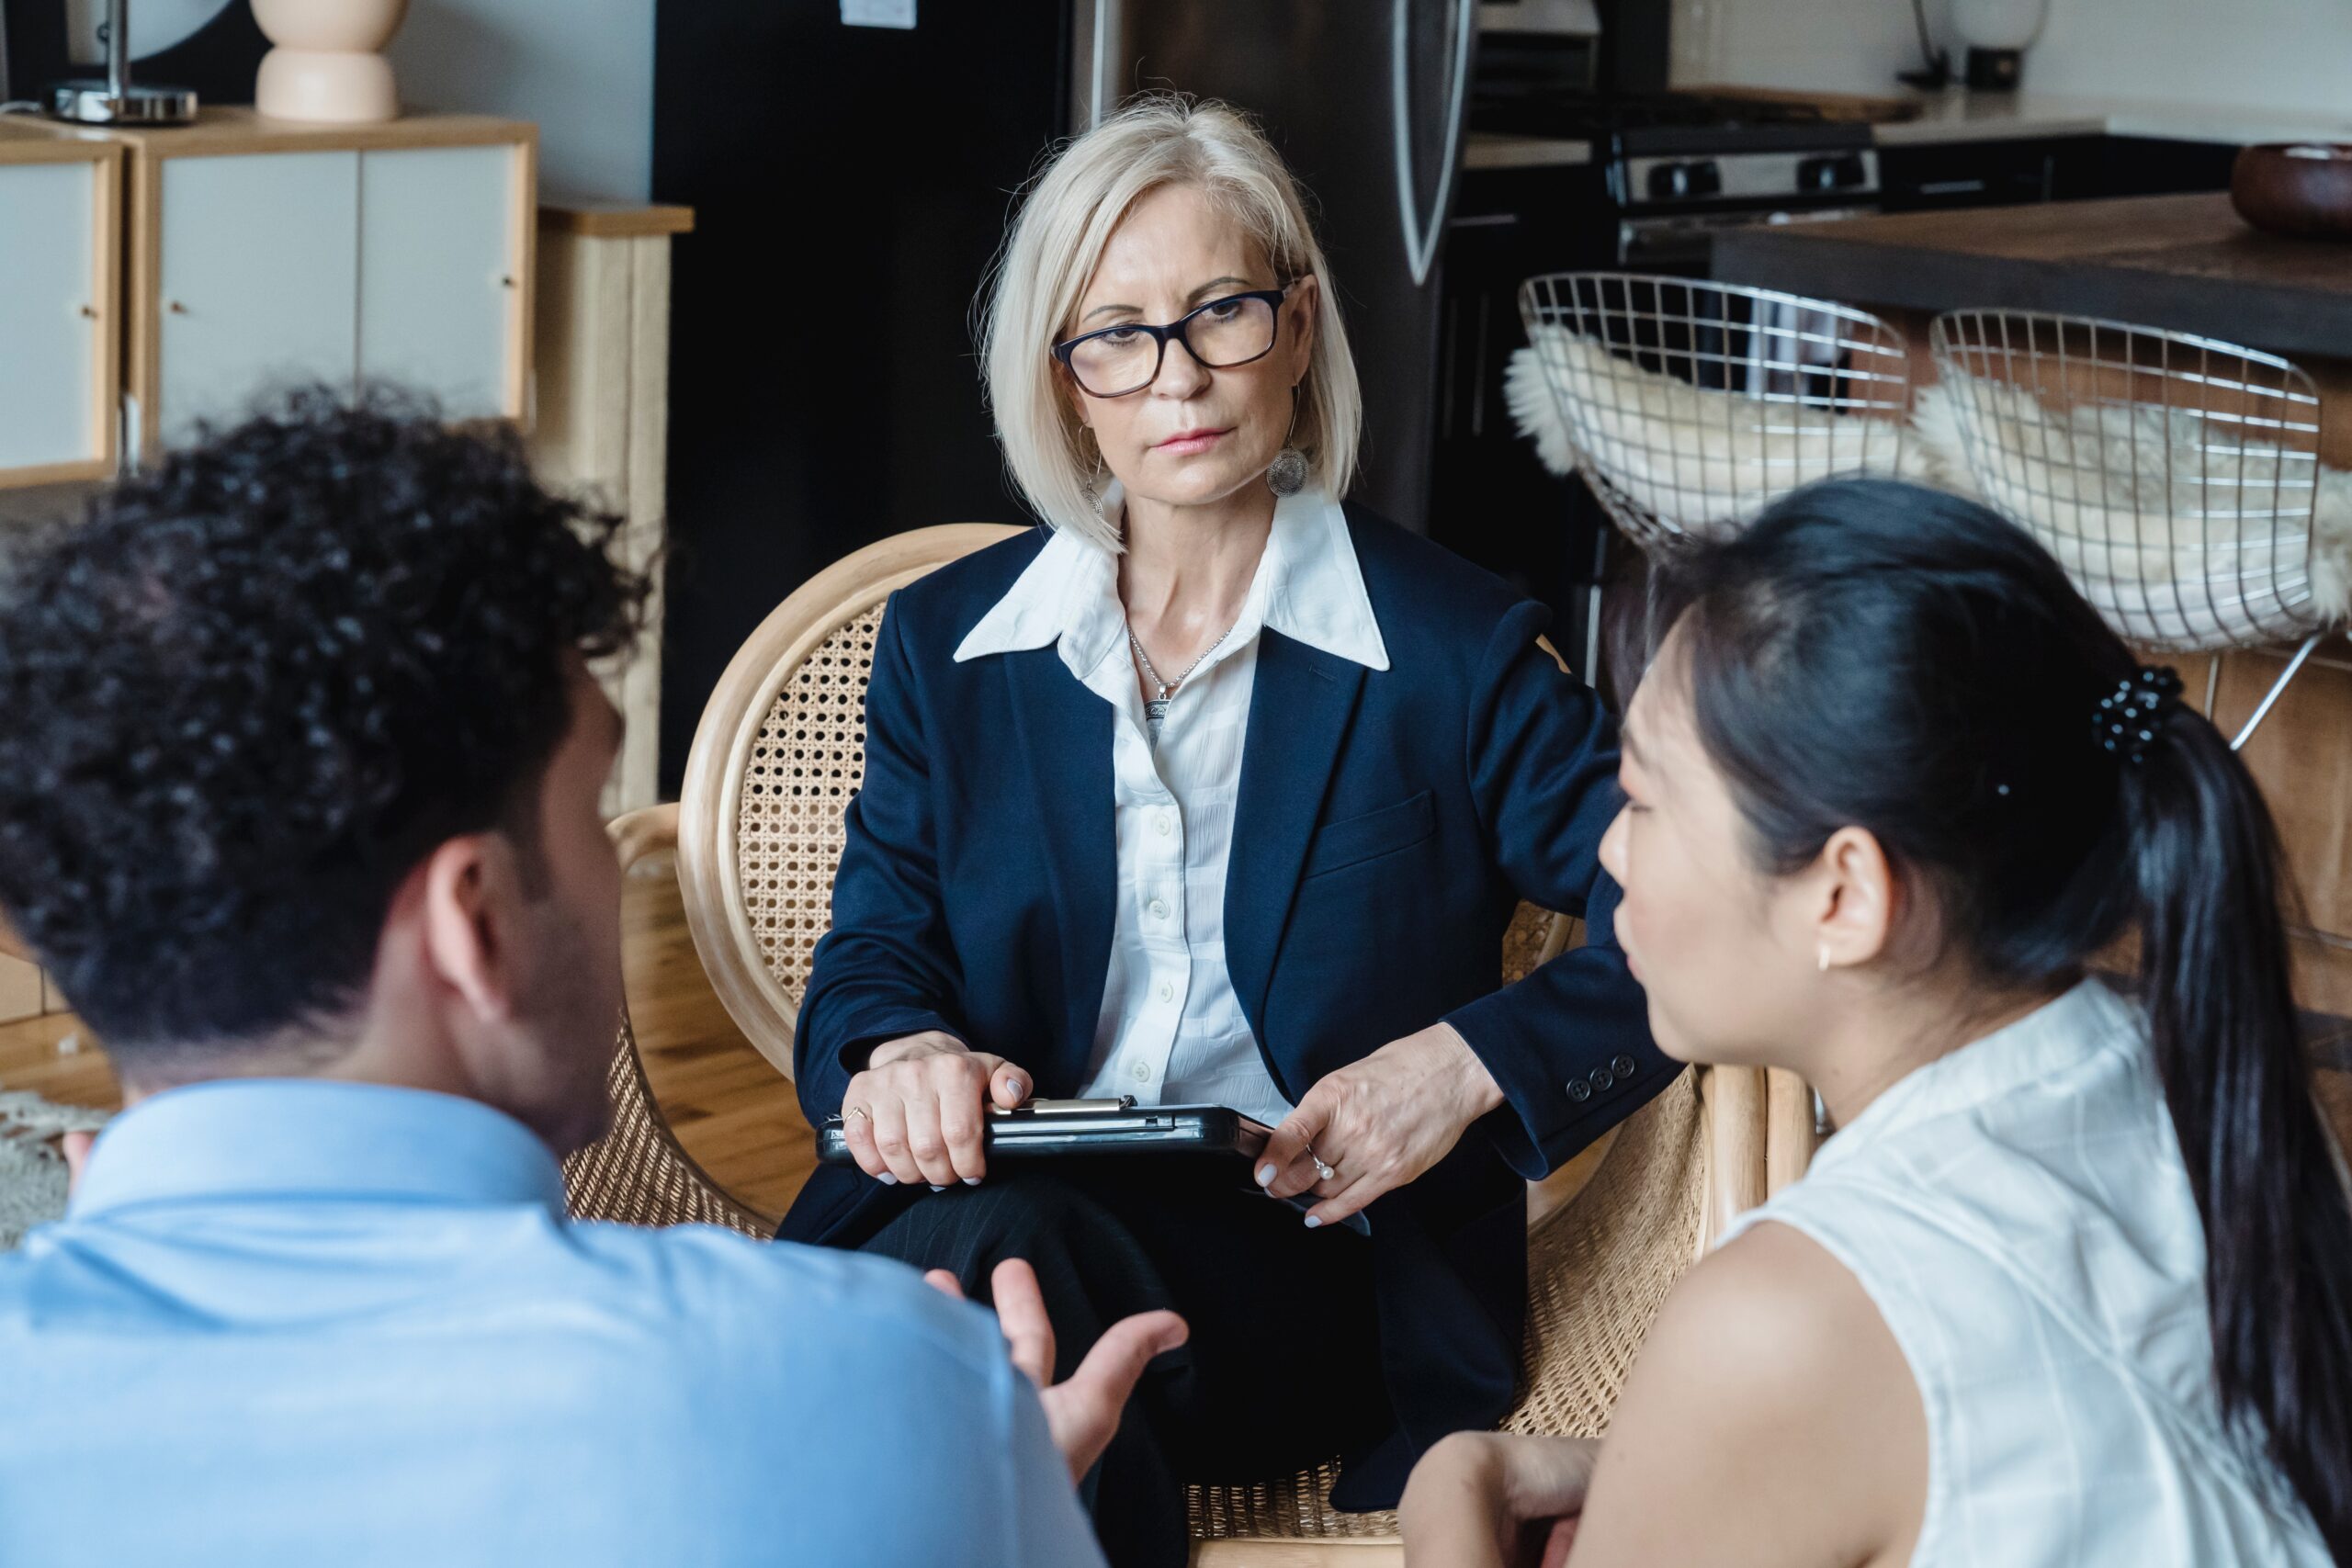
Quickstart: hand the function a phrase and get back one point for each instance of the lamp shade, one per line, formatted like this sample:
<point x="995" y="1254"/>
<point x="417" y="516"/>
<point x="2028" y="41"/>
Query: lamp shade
<point x="1999" y="24"/>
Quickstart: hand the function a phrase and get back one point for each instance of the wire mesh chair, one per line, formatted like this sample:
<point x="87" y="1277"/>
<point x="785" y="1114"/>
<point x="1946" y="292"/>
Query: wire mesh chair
<point x="2176" y="477"/>
<point x="1693" y="405"/>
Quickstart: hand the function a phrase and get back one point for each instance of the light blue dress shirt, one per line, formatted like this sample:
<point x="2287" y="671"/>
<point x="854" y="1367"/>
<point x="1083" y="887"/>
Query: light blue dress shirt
<point x="293" y="1322"/>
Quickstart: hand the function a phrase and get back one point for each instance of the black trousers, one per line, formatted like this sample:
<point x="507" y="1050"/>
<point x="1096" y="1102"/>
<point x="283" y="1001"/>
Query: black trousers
<point x="1282" y="1367"/>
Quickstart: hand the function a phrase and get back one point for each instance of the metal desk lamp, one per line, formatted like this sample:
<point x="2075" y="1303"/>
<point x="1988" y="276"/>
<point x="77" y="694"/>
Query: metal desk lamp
<point x="116" y="100"/>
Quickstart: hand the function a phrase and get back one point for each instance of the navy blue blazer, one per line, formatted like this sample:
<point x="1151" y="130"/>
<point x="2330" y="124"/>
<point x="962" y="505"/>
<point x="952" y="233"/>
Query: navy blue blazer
<point x="1387" y="824"/>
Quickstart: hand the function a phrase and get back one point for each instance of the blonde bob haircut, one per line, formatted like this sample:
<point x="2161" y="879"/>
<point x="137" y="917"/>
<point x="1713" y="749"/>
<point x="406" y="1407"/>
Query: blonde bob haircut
<point x="1057" y="240"/>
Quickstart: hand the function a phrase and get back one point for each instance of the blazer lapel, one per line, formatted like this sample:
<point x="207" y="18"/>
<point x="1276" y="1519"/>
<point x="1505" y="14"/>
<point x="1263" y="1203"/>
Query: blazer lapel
<point x="1065" y="734"/>
<point x="1299" y="709"/>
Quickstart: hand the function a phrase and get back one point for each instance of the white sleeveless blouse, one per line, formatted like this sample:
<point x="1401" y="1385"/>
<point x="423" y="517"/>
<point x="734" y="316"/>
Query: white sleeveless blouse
<point x="2019" y="1214"/>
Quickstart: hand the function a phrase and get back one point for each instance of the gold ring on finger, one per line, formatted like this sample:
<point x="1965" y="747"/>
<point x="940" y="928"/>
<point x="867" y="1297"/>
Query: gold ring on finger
<point x="857" y="1112"/>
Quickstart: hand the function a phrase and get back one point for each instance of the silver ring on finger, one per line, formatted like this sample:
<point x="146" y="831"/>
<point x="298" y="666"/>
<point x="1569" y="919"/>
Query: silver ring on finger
<point x="1327" y="1172"/>
<point x="856" y="1114"/>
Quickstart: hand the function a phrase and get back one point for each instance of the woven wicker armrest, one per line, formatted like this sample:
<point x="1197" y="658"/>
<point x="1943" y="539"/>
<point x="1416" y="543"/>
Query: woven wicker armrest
<point x="637" y="834"/>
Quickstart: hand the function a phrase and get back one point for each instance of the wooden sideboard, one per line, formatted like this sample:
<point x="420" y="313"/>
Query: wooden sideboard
<point x="250" y="255"/>
<point x="602" y="338"/>
<point x="61" y="306"/>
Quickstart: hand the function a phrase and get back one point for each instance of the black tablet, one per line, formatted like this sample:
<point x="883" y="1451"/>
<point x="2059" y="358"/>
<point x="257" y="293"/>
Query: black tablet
<point x="1095" y="1127"/>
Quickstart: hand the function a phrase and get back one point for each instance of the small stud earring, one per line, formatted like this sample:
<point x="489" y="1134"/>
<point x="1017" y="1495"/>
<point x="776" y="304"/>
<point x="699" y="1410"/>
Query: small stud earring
<point x="1825" y="958"/>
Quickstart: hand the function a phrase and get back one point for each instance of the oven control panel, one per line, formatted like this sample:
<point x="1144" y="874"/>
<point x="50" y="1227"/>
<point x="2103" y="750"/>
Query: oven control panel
<point x="1753" y="178"/>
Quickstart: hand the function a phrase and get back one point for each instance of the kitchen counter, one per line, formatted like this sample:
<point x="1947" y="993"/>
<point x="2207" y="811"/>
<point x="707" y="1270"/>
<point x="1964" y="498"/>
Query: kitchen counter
<point x="2183" y="262"/>
<point x="1959" y="115"/>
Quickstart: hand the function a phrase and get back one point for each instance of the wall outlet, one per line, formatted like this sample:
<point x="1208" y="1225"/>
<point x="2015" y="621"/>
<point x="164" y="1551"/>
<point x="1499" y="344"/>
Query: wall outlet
<point x="878" y="13"/>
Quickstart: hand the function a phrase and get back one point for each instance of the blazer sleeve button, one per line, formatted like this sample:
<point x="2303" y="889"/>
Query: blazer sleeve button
<point x="1602" y="1078"/>
<point x="1579" y="1090"/>
<point x="1622" y="1066"/>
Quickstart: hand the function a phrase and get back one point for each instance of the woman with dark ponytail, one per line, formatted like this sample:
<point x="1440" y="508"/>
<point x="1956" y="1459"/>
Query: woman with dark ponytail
<point x="2072" y="1282"/>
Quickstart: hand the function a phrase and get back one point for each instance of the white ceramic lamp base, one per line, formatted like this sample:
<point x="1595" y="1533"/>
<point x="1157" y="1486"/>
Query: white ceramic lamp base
<point x="326" y="87"/>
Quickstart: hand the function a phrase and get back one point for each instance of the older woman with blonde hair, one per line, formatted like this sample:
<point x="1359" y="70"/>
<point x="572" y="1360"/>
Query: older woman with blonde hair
<point x="1215" y="790"/>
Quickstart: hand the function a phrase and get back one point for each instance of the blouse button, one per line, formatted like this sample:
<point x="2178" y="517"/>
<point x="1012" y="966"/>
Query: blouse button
<point x="1141" y="1070"/>
<point x="1159" y="909"/>
<point x="1165" y="823"/>
<point x="1167" y="992"/>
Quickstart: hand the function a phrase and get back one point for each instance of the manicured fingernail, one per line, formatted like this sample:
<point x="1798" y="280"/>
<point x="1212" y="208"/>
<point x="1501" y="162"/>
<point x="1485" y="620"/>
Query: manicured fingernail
<point x="887" y="1179"/>
<point x="1314" y="1220"/>
<point x="936" y="1186"/>
<point x="971" y="1182"/>
<point x="1265" y="1175"/>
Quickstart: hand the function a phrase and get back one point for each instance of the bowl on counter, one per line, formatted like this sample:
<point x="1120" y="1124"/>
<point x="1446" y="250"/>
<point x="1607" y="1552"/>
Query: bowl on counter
<point x="2303" y="188"/>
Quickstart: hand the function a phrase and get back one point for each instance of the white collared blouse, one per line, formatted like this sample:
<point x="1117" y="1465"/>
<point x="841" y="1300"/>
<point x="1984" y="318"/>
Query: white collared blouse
<point x="2021" y="1216"/>
<point x="1172" y="1030"/>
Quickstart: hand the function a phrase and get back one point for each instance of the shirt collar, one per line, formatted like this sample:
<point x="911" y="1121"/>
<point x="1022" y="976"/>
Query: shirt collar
<point x="1309" y="587"/>
<point x="288" y="1138"/>
<point x="2034" y="1053"/>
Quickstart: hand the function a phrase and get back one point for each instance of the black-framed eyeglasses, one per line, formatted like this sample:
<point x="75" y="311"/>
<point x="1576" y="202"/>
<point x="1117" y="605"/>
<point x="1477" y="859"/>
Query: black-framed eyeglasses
<point x="1220" y="334"/>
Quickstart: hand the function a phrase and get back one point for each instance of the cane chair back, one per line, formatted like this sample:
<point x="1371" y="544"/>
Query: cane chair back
<point x="776" y="759"/>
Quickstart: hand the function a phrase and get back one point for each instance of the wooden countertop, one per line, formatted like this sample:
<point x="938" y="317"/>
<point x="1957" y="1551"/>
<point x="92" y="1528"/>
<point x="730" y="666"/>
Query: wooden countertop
<point x="2187" y="263"/>
<point x="1958" y="114"/>
<point x="615" y="220"/>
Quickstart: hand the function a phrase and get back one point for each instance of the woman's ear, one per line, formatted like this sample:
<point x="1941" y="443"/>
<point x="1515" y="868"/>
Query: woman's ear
<point x="1855" y="916"/>
<point x="1305" y="304"/>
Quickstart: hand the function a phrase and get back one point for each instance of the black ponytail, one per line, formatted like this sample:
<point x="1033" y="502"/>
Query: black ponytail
<point x="1879" y="655"/>
<point x="2277" y="1229"/>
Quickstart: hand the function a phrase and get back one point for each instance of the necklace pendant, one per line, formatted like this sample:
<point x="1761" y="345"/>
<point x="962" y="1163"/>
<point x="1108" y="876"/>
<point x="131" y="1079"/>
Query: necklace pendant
<point x="1155" y="710"/>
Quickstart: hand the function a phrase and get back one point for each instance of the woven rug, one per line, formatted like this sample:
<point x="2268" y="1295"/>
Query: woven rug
<point x="32" y="1169"/>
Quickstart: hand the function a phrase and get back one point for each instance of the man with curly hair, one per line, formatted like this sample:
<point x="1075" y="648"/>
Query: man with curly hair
<point x="299" y="761"/>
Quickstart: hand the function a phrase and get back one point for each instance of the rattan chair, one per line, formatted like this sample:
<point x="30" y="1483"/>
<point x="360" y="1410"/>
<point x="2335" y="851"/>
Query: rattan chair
<point x="776" y="757"/>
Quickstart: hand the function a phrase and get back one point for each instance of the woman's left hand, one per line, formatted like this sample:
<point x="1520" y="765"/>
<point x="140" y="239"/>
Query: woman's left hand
<point x="1378" y="1123"/>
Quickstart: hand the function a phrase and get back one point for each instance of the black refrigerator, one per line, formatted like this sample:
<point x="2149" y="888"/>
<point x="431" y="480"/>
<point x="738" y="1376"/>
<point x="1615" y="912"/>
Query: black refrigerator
<point x="851" y="186"/>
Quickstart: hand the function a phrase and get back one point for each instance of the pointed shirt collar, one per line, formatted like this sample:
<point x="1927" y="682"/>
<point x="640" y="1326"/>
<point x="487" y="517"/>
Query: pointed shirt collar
<point x="1309" y="587"/>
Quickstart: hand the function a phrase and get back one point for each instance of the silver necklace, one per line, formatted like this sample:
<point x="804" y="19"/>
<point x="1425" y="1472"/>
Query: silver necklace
<point x="1155" y="709"/>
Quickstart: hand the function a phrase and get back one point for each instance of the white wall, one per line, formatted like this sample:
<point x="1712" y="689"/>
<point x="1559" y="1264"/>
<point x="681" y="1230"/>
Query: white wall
<point x="1831" y="46"/>
<point x="581" y="69"/>
<point x="2288" y="54"/>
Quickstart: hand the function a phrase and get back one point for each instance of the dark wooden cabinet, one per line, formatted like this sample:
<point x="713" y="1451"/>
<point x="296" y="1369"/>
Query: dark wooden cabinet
<point x="2011" y="172"/>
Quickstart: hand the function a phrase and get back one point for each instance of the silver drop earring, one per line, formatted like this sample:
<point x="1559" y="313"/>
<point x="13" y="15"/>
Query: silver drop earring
<point x="1825" y="958"/>
<point x="1287" y="475"/>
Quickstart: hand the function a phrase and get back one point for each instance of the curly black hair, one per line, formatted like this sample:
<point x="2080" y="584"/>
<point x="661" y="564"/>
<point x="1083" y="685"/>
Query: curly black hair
<point x="245" y="694"/>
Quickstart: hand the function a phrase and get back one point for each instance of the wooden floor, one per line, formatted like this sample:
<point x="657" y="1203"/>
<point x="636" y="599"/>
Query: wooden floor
<point x="732" y="1112"/>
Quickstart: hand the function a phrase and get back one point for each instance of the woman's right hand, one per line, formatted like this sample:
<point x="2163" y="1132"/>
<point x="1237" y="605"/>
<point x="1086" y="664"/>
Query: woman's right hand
<point x="1487" y="1500"/>
<point x="923" y="1096"/>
